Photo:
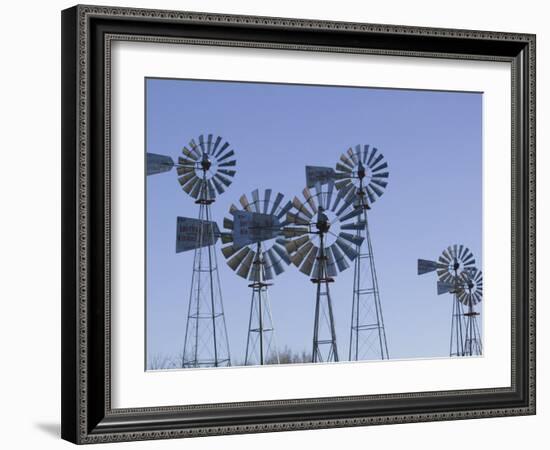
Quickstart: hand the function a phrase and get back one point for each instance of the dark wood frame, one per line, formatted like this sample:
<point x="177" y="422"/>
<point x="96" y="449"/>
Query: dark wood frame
<point x="87" y="31"/>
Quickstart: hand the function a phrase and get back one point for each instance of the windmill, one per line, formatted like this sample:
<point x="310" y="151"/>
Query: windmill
<point x="204" y="170"/>
<point x="454" y="262"/>
<point x="257" y="253"/>
<point x="364" y="172"/>
<point x="323" y="249"/>
<point x="470" y="296"/>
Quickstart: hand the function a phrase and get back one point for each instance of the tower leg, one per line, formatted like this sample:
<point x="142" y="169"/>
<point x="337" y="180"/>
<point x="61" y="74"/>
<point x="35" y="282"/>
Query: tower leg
<point x="206" y="343"/>
<point x="261" y="344"/>
<point x="457" y="329"/>
<point x="472" y="339"/>
<point x="367" y="331"/>
<point x="325" y="348"/>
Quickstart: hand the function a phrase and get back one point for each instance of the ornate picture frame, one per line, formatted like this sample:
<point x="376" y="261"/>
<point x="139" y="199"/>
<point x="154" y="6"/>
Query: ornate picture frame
<point x="88" y="415"/>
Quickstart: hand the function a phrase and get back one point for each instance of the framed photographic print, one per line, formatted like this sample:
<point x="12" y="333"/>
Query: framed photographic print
<point x="267" y="222"/>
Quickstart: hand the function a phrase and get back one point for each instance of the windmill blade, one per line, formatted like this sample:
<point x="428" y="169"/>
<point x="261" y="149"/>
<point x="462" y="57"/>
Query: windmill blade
<point x="191" y="185"/>
<point x="348" y="200"/>
<point x="229" y="250"/>
<point x="343" y="183"/>
<point x="267" y="198"/>
<point x="307" y="265"/>
<point x="256" y="200"/>
<point x="283" y="212"/>
<point x="275" y="261"/>
<point x="351" y="214"/>
<point x="372" y="156"/>
<point x="226" y="156"/>
<point x="339" y="258"/>
<point x="330" y="191"/>
<point x="194" y="149"/>
<point x="379" y="183"/>
<point x="202" y="144"/>
<point x="226" y="238"/>
<point x="358" y="153"/>
<point x="354" y="239"/>
<point x="227" y="223"/>
<point x="295" y="219"/>
<point x="359" y="225"/>
<point x="190" y="154"/>
<point x="276" y="203"/>
<point x="344" y="169"/>
<point x="229" y="173"/>
<point x="158" y="163"/>
<point x="252" y="228"/>
<point x="376" y="189"/>
<point x="346" y="248"/>
<point x="381" y="175"/>
<point x="245" y="203"/>
<point x="278" y="247"/>
<point x="370" y="194"/>
<point x="228" y="164"/>
<point x="222" y="149"/>
<point x="310" y="199"/>
<point x="319" y="174"/>
<point x="209" y="144"/>
<point x="183" y="180"/>
<point x="376" y="160"/>
<point x="225" y="181"/>
<point x="347" y="162"/>
<point x="236" y="260"/>
<point x="341" y="194"/>
<point x="186" y="162"/>
<point x="182" y="170"/>
<point x="294" y="245"/>
<point x="353" y="156"/>
<point x="211" y="190"/>
<point x="290" y="232"/>
<point x="218" y="140"/>
<point x="380" y="167"/>
<point x="218" y="185"/>
<point x="297" y="203"/>
<point x="426" y="266"/>
<point x="299" y="256"/>
<point x="194" y="233"/>
<point x="332" y="271"/>
<point x="197" y="188"/>
<point x="365" y="153"/>
<point x="244" y="269"/>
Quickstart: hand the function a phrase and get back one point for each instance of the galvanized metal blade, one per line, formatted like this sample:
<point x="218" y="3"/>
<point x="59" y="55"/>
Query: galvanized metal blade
<point x="343" y="168"/>
<point x="276" y="203"/>
<point x="380" y="167"/>
<point x="297" y="203"/>
<point x="310" y="199"/>
<point x="244" y="269"/>
<point x="332" y="271"/>
<point x="281" y="251"/>
<point x="191" y="185"/>
<point x="372" y="156"/>
<point x="245" y="203"/>
<point x="256" y="200"/>
<point x="218" y="185"/>
<point x="360" y="225"/>
<point x="267" y="198"/>
<point x="228" y="163"/>
<point x="296" y="219"/>
<point x="346" y="248"/>
<point x="352" y="156"/>
<point x="354" y="239"/>
<point x="365" y="153"/>
<point x="229" y="250"/>
<point x="229" y="173"/>
<point x="222" y="149"/>
<point x="347" y="162"/>
<point x="226" y="182"/>
<point x="191" y="155"/>
<point x="183" y="180"/>
<point x="381" y="175"/>
<point x="307" y="265"/>
<point x="299" y="256"/>
<point x="351" y="214"/>
<point x="226" y="156"/>
<point x="236" y="260"/>
<point x="339" y="258"/>
<point x="227" y="223"/>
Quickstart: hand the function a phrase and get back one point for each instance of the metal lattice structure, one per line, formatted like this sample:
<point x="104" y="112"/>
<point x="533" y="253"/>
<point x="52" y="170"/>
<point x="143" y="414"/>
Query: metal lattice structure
<point x="204" y="171"/>
<point x="470" y="296"/>
<point x="257" y="253"/>
<point x="324" y="216"/>
<point x="363" y="174"/>
<point x="451" y="267"/>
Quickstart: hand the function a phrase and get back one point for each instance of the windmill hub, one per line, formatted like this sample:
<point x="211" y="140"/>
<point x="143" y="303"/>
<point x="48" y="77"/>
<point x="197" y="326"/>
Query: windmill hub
<point x="323" y="223"/>
<point x="205" y="162"/>
<point x="361" y="172"/>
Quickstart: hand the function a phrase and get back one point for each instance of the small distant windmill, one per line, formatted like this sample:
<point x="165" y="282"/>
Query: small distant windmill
<point x="257" y="253"/>
<point x="363" y="173"/>
<point x="470" y="296"/>
<point x="454" y="262"/>
<point x="204" y="171"/>
<point x="323" y="217"/>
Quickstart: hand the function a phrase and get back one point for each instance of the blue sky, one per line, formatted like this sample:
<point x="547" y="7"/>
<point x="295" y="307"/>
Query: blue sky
<point x="432" y="142"/>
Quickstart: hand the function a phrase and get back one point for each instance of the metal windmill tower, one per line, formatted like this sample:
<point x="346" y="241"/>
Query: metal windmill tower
<point x="204" y="170"/>
<point x="470" y="296"/>
<point x="257" y="253"/>
<point x="451" y="266"/>
<point x="364" y="173"/>
<point x="323" y="251"/>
